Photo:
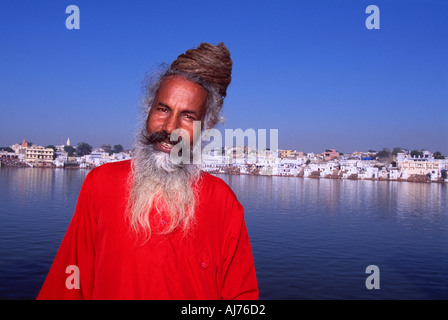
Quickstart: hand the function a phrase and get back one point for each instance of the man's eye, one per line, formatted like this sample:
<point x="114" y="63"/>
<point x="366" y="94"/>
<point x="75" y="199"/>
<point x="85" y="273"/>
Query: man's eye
<point x="189" y="117"/>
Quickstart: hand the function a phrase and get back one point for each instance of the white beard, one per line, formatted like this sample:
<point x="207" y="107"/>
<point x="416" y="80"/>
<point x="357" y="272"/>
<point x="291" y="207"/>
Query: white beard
<point x="158" y="186"/>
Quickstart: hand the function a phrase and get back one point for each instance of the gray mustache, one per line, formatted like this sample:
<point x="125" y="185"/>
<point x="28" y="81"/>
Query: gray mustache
<point x="155" y="137"/>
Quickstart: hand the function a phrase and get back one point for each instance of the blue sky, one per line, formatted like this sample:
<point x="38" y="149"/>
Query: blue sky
<point x="309" y="68"/>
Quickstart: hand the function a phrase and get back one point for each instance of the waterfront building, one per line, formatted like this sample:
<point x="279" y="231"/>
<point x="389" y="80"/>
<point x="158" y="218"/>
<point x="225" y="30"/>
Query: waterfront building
<point x="394" y="173"/>
<point x="289" y="166"/>
<point x="286" y="153"/>
<point x="350" y="172"/>
<point x="8" y="155"/>
<point x="417" y="167"/>
<point x="331" y="154"/>
<point x="320" y="169"/>
<point x="369" y="173"/>
<point x="60" y="161"/>
<point x="249" y="160"/>
<point x="311" y="156"/>
<point x="98" y="157"/>
<point x="16" y="147"/>
<point x="35" y="154"/>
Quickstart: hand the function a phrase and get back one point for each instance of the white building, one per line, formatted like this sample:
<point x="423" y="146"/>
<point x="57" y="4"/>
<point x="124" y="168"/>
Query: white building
<point x="36" y="154"/>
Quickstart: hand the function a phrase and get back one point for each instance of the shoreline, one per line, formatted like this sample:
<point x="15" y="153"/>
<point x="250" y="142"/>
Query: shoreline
<point x="439" y="181"/>
<point x="415" y="178"/>
<point x="418" y="179"/>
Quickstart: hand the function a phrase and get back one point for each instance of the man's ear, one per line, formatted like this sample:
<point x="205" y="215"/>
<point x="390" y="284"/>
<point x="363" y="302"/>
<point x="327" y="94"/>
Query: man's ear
<point x="148" y="115"/>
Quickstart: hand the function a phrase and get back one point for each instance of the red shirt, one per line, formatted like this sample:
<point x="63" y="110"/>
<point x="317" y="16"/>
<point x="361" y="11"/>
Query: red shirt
<point x="213" y="262"/>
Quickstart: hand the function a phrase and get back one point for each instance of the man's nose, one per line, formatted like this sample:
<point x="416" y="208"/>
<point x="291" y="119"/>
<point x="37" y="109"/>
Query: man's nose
<point x="171" y="124"/>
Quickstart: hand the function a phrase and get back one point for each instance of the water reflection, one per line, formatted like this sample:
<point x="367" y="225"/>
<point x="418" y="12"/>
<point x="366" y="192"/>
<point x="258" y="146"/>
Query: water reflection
<point x="399" y="199"/>
<point x="311" y="238"/>
<point x="36" y="208"/>
<point x="21" y="185"/>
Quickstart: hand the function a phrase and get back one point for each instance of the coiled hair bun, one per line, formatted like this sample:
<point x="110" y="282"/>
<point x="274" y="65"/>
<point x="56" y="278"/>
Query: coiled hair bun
<point x="212" y="64"/>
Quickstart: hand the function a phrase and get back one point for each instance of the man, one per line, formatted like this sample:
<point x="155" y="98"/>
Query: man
<point x="152" y="228"/>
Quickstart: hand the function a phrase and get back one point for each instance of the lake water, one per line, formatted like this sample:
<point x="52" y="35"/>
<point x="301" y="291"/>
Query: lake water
<point x="311" y="238"/>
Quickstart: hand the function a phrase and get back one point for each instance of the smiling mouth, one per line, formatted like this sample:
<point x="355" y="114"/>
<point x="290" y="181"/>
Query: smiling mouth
<point x="165" y="146"/>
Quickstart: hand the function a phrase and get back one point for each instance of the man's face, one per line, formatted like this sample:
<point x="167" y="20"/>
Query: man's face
<point x="178" y="103"/>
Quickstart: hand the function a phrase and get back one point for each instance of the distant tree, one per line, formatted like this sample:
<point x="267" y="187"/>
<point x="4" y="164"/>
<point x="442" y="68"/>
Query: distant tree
<point x="397" y="150"/>
<point x="385" y="153"/>
<point x="117" y="148"/>
<point x="308" y="161"/>
<point x="372" y="151"/>
<point x="83" y="149"/>
<point x="438" y="155"/>
<point x="70" y="150"/>
<point x="107" y="148"/>
<point x="6" y="149"/>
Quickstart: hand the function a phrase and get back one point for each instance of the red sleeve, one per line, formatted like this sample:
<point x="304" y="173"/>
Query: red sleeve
<point x="74" y="262"/>
<point x="239" y="278"/>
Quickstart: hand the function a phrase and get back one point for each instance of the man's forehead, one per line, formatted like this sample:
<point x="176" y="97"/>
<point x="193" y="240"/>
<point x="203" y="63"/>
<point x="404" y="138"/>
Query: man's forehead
<point x="180" y="86"/>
